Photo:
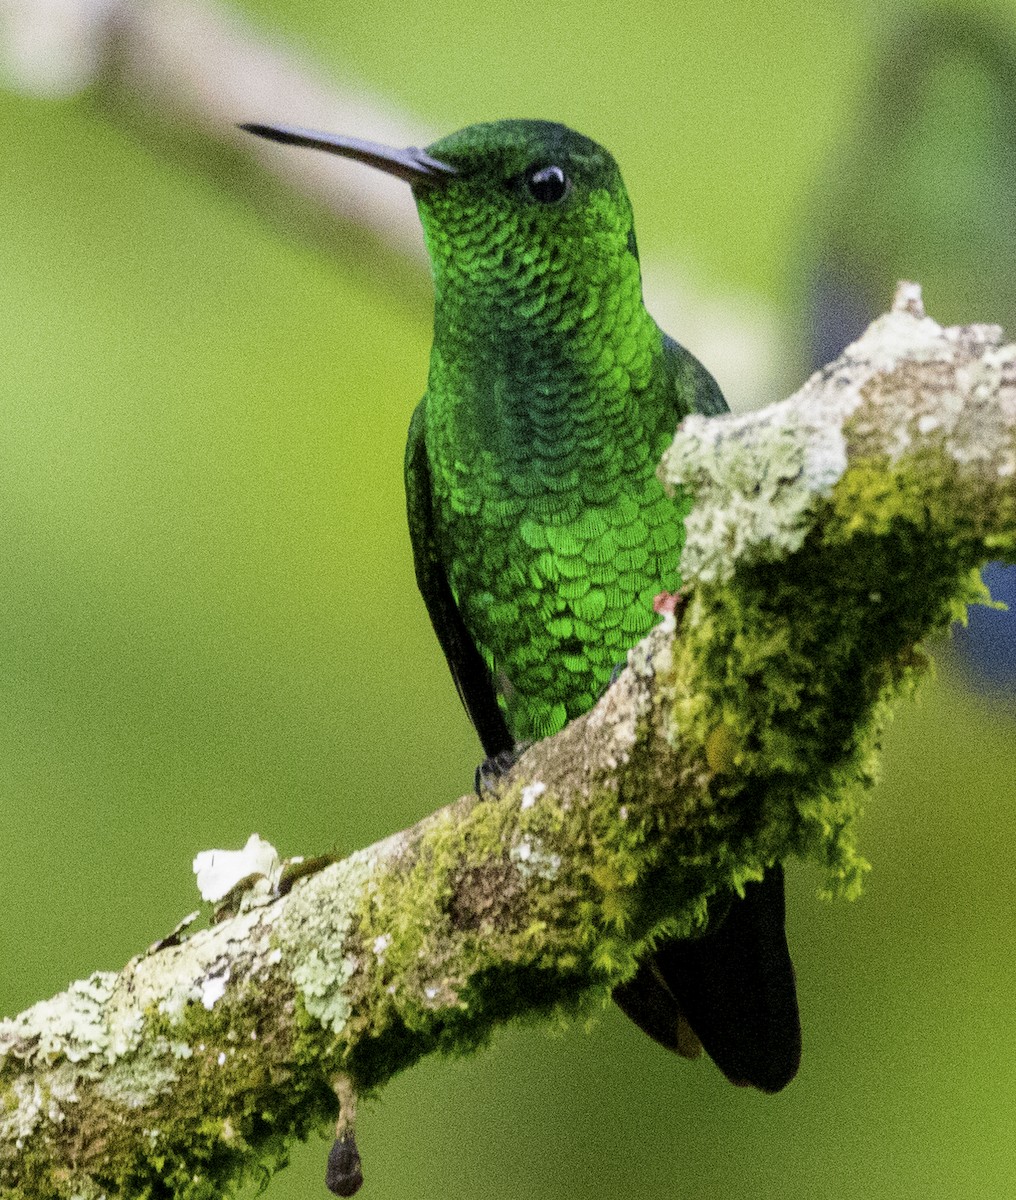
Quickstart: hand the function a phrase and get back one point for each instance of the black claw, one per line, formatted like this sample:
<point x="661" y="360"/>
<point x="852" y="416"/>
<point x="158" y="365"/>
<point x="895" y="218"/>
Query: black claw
<point x="343" y="1175"/>
<point x="491" y="769"/>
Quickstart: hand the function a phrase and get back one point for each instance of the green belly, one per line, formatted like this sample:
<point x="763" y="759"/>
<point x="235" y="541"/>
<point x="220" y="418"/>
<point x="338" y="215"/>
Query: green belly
<point x="555" y="592"/>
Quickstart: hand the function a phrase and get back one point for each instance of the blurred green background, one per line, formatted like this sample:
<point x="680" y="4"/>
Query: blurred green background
<point x="209" y="625"/>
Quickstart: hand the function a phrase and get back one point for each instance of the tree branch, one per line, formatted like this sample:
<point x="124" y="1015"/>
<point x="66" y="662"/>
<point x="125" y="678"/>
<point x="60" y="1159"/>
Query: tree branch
<point x="830" y="534"/>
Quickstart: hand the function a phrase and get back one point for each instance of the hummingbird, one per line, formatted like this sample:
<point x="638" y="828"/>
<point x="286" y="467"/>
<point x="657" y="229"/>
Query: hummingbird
<point x="541" y="534"/>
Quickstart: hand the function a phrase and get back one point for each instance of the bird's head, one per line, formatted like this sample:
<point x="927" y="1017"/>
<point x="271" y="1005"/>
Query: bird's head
<point x="512" y="210"/>
<point x="527" y="200"/>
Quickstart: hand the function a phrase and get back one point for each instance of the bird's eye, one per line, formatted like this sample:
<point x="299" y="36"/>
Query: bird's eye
<point x="547" y="184"/>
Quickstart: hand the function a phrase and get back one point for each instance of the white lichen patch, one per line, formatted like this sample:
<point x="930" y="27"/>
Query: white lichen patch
<point x="320" y="915"/>
<point x="754" y="480"/>
<point x="979" y="428"/>
<point x="71" y="1025"/>
<point x="322" y="985"/>
<point x="213" y="988"/>
<point x="668" y="621"/>
<point x="27" y="1103"/>
<point x="533" y="861"/>
<point x="136" y="1082"/>
<point x="220" y="872"/>
<point x="531" y="793"/>
<point x="22" y="1112"/>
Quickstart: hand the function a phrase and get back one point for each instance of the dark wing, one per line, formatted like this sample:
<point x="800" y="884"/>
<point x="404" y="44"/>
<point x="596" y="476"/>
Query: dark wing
<point x="697" y="390"/>
<point x="472" y="678"/>
<point x="733" y="988"/>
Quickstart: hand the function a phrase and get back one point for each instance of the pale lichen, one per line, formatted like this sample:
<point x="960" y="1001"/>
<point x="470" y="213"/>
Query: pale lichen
<point x="531" y="859"/>
<point x="136" y="1082"/>
<point x="213" y="988"/>
<point x="72" y="1025"/>
<point x="22" y="1109"/>
<point x="531" y="793"/>
<point x="754" y="482"/>
<point x="315" y="937"/>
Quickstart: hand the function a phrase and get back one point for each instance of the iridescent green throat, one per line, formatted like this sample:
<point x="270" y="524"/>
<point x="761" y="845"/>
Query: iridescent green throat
<point x="543" y="365"/>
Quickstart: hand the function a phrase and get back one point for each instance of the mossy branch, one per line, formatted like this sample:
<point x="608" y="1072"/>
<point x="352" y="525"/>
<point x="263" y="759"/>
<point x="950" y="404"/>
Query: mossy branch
<point x="830" y="534"/>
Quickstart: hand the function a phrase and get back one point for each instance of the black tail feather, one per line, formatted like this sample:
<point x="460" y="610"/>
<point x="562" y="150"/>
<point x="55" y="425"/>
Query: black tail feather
<point x="733" y="987"/>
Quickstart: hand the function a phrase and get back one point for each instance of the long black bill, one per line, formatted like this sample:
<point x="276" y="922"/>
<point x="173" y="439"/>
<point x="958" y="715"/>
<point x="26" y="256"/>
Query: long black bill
<point x="410" y="164"/>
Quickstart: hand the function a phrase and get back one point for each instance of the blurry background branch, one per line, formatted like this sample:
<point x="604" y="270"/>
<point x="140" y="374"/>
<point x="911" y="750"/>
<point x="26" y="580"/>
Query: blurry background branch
<point x="925" y="188"/>
<point x="183" y="73"/>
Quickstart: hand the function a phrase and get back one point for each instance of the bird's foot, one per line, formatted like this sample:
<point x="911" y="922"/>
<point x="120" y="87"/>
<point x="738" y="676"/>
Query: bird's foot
<point x="491" y="769"/>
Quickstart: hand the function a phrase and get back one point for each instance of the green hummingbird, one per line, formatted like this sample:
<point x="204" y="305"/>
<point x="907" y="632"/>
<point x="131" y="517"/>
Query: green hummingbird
<point x="541" y="534"/>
